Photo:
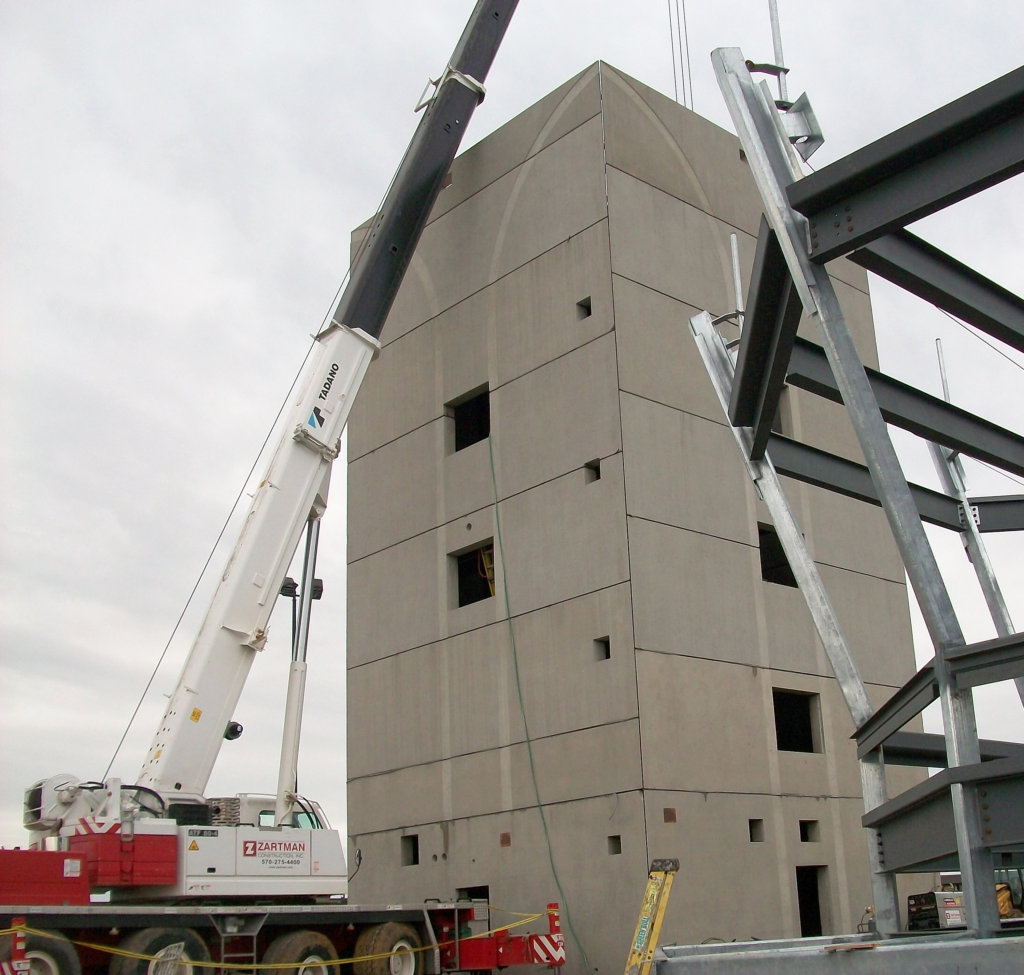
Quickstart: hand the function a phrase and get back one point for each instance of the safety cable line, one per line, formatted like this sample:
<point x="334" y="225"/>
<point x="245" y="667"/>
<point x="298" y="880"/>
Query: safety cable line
<point x="672" y="47"/>
<point x="563" y="900"/>
<point x="274" y="966"/>
<point x="970" y="331"/>
<point x="209" y="559"/>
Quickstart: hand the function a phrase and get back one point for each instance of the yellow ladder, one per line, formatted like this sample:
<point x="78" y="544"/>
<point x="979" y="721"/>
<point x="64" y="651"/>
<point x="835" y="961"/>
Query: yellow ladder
<point x="486" y="566"/>
<point x="652" y="913"/>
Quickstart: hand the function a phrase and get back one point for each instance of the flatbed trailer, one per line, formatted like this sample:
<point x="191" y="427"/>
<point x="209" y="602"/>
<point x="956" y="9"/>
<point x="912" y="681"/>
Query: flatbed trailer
<point x="318" y="938"/>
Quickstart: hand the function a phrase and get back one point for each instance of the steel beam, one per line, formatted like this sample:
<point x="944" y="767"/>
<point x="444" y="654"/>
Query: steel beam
<point x="1000" y="514"/>
<point x="818" y="467"/>
<point x="988" y="662"/>
<point x="946" y="156"/>
<point x="721" y="370"/>
<point x="911" y="409"/>
<point x="775" y="170"/>
<point x="769" y="328"/>
<point x="908" y="702"/>
<point x="933" y="275"/>
<point x="924" y="750"/>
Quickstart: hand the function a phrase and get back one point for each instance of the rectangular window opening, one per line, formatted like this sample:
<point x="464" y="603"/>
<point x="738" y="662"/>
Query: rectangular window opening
<point x="602" y="648"/>
<point x="774" y="565"/>
<point x="669" y="814"/>
<point x="410" y="850"/>
<point x="592" y="470"/>
<point x="584" y="308"/>
<point x="474" y="573"/>
<point x="469" y="418"/>
<point x="809" y="831"/>
<point x="797" y="721"/>
<point x="756" y="829"/>
<point x="614" y="845"/>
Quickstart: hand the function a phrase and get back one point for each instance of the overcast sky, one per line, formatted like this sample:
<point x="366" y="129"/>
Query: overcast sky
<point x="177" y="185"/>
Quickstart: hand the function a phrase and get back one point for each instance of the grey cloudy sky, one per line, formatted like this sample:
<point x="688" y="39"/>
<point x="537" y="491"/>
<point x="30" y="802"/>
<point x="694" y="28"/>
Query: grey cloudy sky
<point x="177" y="184"/>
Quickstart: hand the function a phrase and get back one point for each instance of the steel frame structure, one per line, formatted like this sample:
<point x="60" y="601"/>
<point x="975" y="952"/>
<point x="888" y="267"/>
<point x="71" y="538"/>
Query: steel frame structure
<point x="969" y="813"/>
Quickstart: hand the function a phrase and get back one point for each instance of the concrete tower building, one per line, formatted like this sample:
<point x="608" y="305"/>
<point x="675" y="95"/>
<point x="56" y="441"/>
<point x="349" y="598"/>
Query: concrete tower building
<point x="573" y="643"/>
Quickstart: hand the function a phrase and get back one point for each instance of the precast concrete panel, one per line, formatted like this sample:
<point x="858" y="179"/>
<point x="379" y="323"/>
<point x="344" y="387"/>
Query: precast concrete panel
<point x="396" y="599"/>
<point x="692" y="594"/>
<point x="541" y="125"/>
<point x="413" y="502"/>
<point x="653" y="138"/>
<point x="507" y="224"/>
<point x="557" y="418"/>
<point x="444" y="700"/>
<point x="657" y="356"/>
<point x="692" y="740"/>
<point x="565" y="538"/>
<point x="673" y="246"/>
<point x="875" y="617"/>
<point x="568" y="681"/>
<point x="869" y="550"/>
<point x="401" y="392"/>
<point x="460" y="695"/>
<point x="530" y="316"/>
<point x="683" y="470"/>
<point x="599" y="761"/>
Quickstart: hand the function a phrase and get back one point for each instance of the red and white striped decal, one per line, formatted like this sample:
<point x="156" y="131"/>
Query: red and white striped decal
<point x="15" y="967"/>
<point x="548" y="949"/>
<point x="90" y="825"/>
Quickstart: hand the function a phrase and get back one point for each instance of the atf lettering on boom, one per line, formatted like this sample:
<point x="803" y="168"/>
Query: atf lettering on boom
<point x="329" y="381"/>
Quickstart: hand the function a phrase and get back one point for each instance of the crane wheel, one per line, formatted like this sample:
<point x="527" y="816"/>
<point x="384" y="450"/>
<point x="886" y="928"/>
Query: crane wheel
<point x="158" y="946"/>
<point x="376" y="944"/>
<point x="311" y="952"/>
<point x="48" y="953"/>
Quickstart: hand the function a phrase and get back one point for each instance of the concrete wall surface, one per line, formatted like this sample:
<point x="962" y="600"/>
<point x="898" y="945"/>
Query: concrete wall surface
<point x="614" y="697"/>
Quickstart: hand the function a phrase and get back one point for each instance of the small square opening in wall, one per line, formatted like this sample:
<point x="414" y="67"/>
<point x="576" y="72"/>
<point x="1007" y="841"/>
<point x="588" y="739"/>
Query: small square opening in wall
<point x="602" y="648"/>
<point x="592" y="470"/>
<point x="774" y="565"/>
<point x="474" y="573"/>
<point x="756" y="829"/>
<point x="469" y="418"/>
<point x="669" y="813"/>
<point x="809" y="831"/>
<point x="797" y="721"/>
<point x="584" y="308"/>
<point x="410" y="850"/>
<point x="614" y="845"/>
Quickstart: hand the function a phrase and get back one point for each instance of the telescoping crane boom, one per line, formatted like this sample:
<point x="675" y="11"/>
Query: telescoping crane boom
<point x="167" y="804"/>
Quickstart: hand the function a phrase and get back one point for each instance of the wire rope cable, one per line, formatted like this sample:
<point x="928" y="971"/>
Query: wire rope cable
<point x="325" y="320"/>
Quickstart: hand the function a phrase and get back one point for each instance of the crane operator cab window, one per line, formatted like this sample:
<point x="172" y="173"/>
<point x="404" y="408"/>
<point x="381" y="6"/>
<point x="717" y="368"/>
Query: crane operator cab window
<point x="301" y="818"/>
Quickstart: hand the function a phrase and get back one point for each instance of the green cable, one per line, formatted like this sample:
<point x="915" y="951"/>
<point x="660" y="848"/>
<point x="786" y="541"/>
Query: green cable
<point x="522" y="711"/>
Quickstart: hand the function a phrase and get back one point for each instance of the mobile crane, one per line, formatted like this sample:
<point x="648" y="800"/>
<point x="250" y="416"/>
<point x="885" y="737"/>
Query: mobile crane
<point x="161" y="841"/>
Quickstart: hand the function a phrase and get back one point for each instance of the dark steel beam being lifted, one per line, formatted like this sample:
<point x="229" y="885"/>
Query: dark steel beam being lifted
<point x="931" y="274"/>
<point x="769" y="327"/>
<point x="911" y="409"/>
<point x="958" y="150"/>
<point x="818" y="467"/>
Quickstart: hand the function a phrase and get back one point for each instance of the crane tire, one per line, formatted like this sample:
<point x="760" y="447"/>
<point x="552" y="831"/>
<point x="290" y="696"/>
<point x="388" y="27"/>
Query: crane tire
<point x="153" y="942"/>
<point x="382" y="939"/>
<point x="310" y="951"/>
<point x="47" y="952"/>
